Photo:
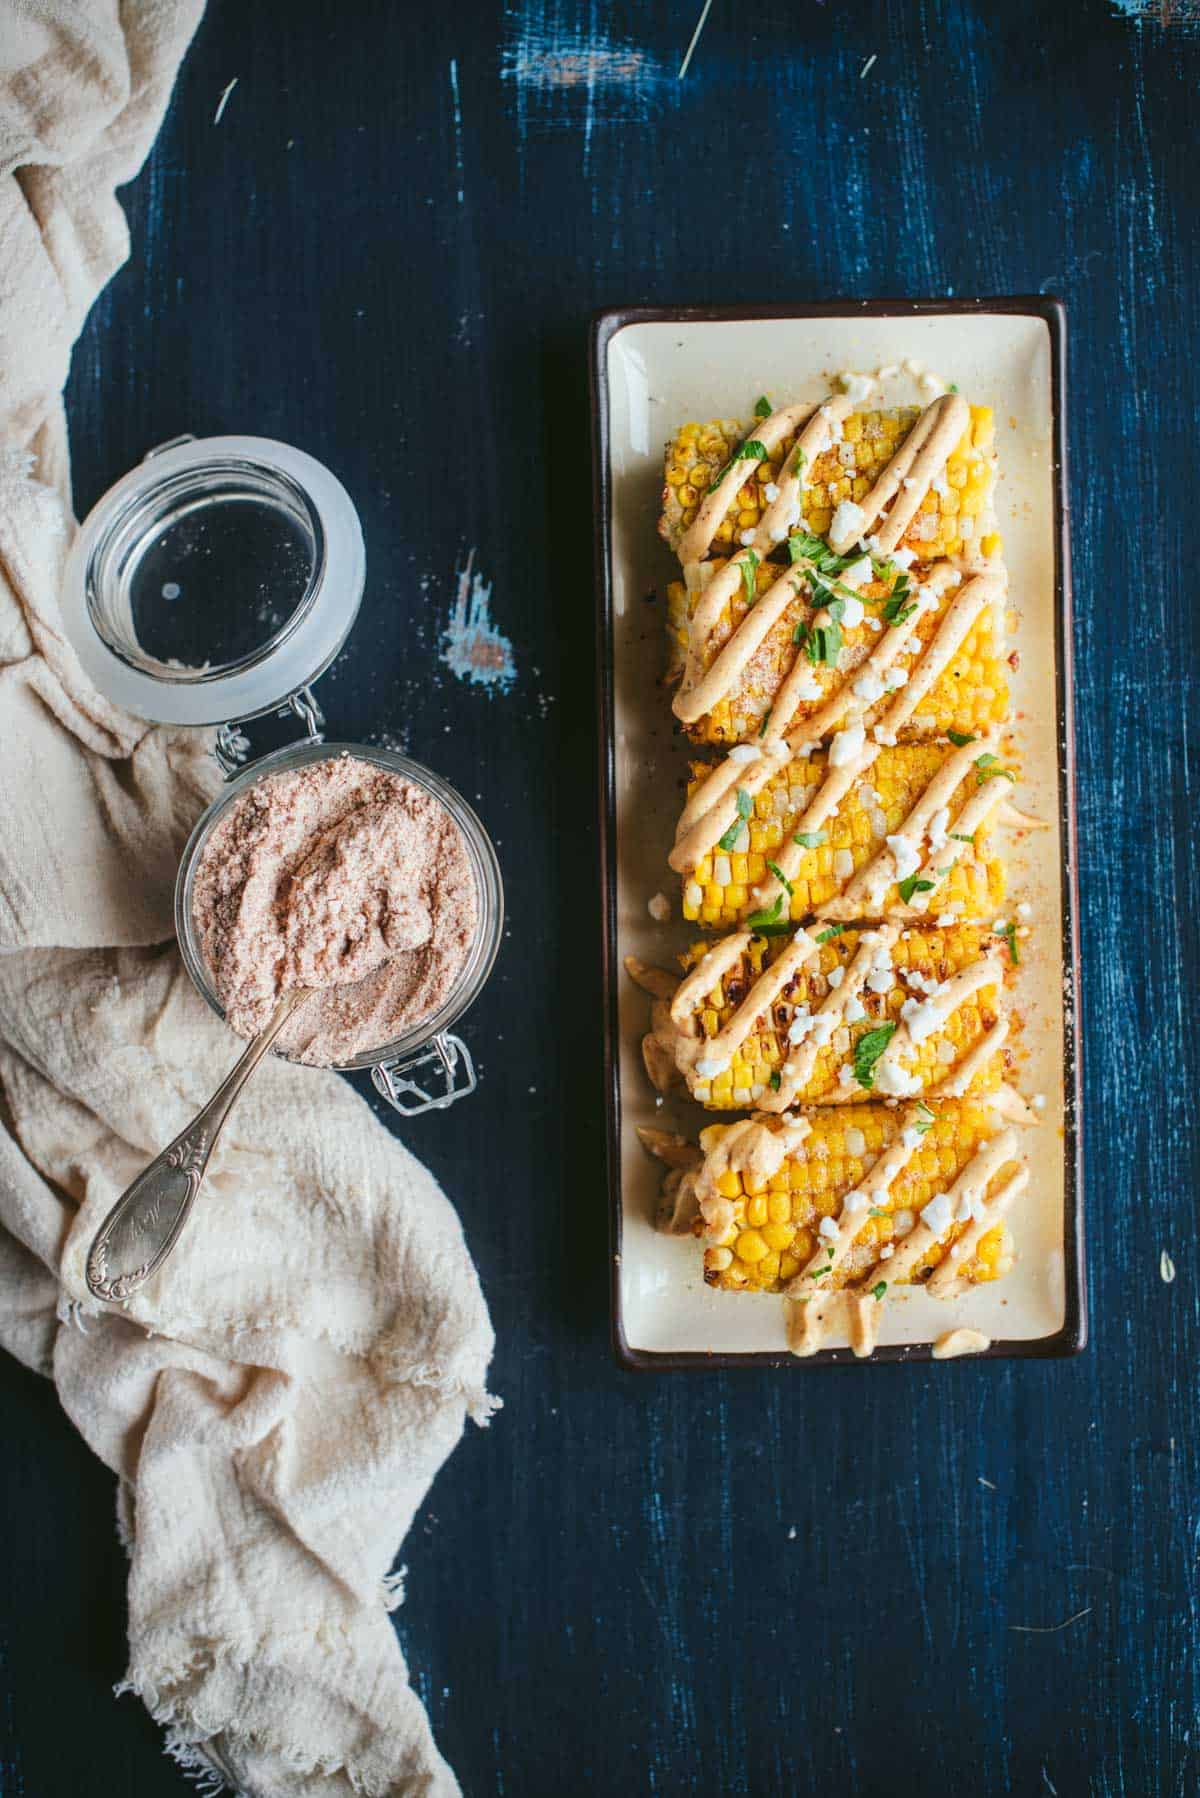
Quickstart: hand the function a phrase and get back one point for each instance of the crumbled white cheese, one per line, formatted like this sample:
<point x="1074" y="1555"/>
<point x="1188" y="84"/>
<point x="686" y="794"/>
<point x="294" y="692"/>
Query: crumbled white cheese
<point x="945" y="1051"/>
<point x="849" y="522"/>
<point x="855" y="1011"/>
<point x="854" y="1204"/>
<point x="939" y="825"/>
<point x="746" y="538"/>
<point x="770" y="493"/>
<point x="893" y="680"/>
<point x="886" y="1252"/>
<point x="904" y="851"/>
<point x="858" y="573"/>
<point x="843" y="864"/>
<point x="964" y="1212"/>
<point x="853" y="612"/>
<point x="1024" y="909"/>
<point x="846" y="745"/>
<point x="808" y="686"/>
<point x="903" y="1221"/>
<point x="857" y="388"/>
<point x="868" y="687"/>
<point x="1038" y="1101"/>
<point x="910" y="1136"/>
<point x="744" y="752"/>
<point x="903" y="558"/>
<point x="892" y="1081"/>
<point x="836" y="976"/>
<point x="776" y="748"/>
<point x="856" y="1142"/>
<point x="800" y="1025"/>
<point x="846" y="1075"/>
<point x="834" y="422"/>
<point x="999" y="925"/>
<point x="823" y="1028"/>
<point x="828" y="1229"/>
<point x="885" y="738"/>
<point x="709" y="1067"/>
<point x="924" y="1018"/>
<point x="938" y="1214"/>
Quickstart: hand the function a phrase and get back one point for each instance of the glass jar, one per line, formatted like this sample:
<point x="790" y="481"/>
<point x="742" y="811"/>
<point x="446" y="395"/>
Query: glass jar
<point x="214" y="584"/>
<point x="428" y="1052"/>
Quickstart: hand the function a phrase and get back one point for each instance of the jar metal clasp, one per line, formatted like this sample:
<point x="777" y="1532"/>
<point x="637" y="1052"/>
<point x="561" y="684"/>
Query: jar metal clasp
<point x="233" y="745"/>
<point x="434" y="1078"/>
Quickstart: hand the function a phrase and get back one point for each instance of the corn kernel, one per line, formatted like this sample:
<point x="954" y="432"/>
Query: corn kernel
<point x="750" y="1247"/>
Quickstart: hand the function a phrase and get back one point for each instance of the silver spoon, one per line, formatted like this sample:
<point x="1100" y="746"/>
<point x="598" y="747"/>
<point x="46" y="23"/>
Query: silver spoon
<point x="146" y="1222"/>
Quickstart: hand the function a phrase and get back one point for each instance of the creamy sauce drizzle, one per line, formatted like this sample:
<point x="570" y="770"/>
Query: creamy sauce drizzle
<point x="960" y="1342"/>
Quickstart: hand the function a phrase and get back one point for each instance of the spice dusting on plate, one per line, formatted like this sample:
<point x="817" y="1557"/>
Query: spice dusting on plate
<point x="344" y="878"/>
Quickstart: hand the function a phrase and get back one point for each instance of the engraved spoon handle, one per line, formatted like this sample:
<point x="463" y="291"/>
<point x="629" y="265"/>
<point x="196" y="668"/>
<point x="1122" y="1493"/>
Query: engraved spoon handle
<point x="145" y="1223"/>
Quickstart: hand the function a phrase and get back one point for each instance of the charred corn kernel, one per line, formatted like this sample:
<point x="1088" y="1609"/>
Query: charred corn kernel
<point x="922" y="958"/>
<point x="973" y="887"/>
<point x="836" y="1158"/>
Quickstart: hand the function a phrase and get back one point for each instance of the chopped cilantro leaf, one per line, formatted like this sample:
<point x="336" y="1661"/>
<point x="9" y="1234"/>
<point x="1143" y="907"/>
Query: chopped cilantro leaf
<point x="924" y="1120"/>
<point x="781" y="877"/>
<point x="824" y="644"/>
<point x="987" y="768"/>
<point x="776" y="1081"/>
<point x="1009" y="934"/>
<point x="748" y="563"/>
<point x="878" y="1291"/>
<point x="833" y="930"/>
<point x="877" y="1211"/>
<point x="959" y="838"/>
<point x="766" y="920"/>
<point x="762" y="729"/>
<point x="960" y="738"/>
<point x="810" y="839"/>
<point x="745" y="805"/>
<point x="914" y="884"/>
<point x="867" y="1051"/>
<point x="751" y="451"/>
<point x="763" y="407"/>
<point x="953" y="387"/>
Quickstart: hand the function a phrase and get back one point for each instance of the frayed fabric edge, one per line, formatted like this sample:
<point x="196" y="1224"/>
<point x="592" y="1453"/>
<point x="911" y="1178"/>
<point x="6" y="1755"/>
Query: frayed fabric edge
<point x="197" y="1767"/>
<point x="200" y="1759"/>
<point x="482" y="1405"/>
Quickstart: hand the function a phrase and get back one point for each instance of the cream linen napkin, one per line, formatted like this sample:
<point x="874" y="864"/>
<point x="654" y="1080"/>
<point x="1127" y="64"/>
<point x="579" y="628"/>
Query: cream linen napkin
<point x="277" y="1402"/>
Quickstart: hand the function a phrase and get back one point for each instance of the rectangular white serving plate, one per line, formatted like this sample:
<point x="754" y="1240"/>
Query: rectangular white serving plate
<point x="651" y="371"/>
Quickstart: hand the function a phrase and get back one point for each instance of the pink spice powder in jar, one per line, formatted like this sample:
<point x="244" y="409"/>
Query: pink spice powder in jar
<point x="344" y="878"/>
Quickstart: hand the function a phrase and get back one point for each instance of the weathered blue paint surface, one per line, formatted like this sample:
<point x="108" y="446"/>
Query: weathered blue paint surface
<point x="386" y="251"/>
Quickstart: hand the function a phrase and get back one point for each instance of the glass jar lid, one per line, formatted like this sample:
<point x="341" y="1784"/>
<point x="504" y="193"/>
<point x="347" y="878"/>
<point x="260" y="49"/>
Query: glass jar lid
<point x="215" y="581"/>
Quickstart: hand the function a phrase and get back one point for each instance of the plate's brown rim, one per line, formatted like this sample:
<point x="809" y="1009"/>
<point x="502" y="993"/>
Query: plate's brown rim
<point x="1072" y="1337"/>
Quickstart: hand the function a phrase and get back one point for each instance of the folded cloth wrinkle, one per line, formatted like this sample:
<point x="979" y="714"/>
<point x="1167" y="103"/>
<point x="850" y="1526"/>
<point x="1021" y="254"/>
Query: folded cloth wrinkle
<point x="277" y="1401"/>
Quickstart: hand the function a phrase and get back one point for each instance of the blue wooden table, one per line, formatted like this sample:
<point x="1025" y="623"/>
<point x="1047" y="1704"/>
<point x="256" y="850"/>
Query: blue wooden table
<point x="960" y="1579"/>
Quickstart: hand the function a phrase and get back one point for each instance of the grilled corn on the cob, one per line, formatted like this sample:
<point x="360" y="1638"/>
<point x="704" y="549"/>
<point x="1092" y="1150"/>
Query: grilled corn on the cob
<point x="763" y="1231"/>
<point x="969" y="694"/>
<point x="892" y="1019"/>
<point x="726" y="885"/>
<point x="956" y="516"/>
